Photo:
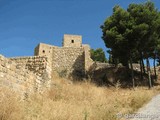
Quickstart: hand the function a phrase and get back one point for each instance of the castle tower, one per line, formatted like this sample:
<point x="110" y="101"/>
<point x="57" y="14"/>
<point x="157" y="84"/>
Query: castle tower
<point x="72" y="41"/>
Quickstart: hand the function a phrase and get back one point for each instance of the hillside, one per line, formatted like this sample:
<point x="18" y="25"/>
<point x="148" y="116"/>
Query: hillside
<point x="69" y="101"/>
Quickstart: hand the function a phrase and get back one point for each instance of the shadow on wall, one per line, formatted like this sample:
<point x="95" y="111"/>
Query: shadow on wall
<point x="78" y="68"/>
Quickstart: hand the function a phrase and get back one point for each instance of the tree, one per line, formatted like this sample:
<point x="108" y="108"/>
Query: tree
<point x="145" y="29"/>
<point x="117" y="35"/>
<point x="98" y="55"/>
<point x="132" y="34"/>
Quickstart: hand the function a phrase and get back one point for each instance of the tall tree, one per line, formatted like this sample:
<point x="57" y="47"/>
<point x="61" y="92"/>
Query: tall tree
<point x="132" y="34"/>
<point x="146" y="19"/>
<point x="117" y="35"/>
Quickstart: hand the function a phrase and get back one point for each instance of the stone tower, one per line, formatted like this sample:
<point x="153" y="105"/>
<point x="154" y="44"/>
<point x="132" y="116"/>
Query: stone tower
<point x="72" y="41"/>
<point x="73" y="56"/>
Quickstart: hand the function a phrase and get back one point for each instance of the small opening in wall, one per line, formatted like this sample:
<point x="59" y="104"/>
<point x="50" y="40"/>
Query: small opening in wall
<point x="72" y="41"/>
<point x="43" y="51"/>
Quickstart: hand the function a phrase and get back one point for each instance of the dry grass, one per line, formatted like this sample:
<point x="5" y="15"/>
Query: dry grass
<point x="78" y="101"/>
<point x="10" y="105"/>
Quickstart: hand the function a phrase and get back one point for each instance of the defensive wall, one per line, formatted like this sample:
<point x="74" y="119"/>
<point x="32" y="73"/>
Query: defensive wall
<point x="33" y="74"/>
<point x="73" y="57"/>
<point x="25" y="74"/>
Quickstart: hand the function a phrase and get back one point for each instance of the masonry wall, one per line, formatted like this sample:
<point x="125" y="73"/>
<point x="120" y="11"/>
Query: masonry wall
<point x="88" y="61"/>
<point x="72" y="41"/>
<point x="43" y="50"/>
<point x="18" y="74"/>
<point x="69" y="60"/>
<point x="37" y="64"/>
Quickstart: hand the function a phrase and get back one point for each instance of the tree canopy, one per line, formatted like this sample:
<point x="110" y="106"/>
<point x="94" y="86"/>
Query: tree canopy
<point x="98" y="55"/>
<point x="133" y="35"/>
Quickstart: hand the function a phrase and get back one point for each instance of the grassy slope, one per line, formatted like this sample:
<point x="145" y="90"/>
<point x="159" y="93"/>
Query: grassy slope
<point x="78" y="101"/>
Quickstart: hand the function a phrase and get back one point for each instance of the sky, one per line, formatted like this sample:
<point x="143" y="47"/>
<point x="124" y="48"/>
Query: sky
<point x="26" y="23"/>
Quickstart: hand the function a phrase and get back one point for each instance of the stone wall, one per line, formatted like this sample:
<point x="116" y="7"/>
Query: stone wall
<point x="37" y="64"/>
<point x="88" y="60"/>
<point x="69" y="60"/>
<point x="19" y="74"/>
<point x="30" y="74"/>
<point x="43" y="50"/>
<point x="72" y="41"/>
<point x="72" y="59"/>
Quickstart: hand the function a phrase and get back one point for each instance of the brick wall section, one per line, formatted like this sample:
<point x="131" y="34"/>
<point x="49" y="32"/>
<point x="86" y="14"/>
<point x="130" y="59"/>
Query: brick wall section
<point x="20" y="78"/>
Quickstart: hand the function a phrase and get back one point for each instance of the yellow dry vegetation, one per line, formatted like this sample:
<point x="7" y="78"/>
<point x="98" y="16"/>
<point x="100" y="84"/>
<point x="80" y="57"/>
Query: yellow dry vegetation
<point x="73" y="101"/>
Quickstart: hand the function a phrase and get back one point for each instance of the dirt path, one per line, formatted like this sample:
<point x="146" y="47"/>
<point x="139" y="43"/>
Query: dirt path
<point x="150" y="111"/>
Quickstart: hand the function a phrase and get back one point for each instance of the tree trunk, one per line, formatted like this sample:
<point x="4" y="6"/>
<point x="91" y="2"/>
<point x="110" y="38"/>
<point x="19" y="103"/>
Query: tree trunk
<point x="141" y="67"/>
<point x="132" y="74"/>
<point x="144" y="70"/>
<point x="149" y="74"/>
<point x="141" y="57"/>
<point x="154" y="63"/>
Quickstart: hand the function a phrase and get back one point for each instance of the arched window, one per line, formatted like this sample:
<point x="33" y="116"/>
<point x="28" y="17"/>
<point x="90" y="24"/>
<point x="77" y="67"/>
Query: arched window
<point x="43" y="51"/>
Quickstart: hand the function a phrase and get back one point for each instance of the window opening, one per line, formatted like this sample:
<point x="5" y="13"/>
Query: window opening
<point x="72" y="41"/>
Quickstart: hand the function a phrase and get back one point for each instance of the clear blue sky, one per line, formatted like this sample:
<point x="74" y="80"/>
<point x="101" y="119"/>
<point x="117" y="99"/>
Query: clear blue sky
<point x="26" y="23"/>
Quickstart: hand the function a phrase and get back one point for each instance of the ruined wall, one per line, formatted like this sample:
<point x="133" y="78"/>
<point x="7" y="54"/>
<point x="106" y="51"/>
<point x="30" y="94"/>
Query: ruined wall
<point x="69" y="60"/>
<point x="64" y="60"/>
<point x="43" y="50"/>
<point x="15" y="74"/>
<point x="88" y="60"/>
<point x="30" y="74"/>
<point x="37" y="64"/>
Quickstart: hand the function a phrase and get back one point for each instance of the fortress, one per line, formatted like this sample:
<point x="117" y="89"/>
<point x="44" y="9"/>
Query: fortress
<point x="73" y="57"/>
<point x="34" y="73"/>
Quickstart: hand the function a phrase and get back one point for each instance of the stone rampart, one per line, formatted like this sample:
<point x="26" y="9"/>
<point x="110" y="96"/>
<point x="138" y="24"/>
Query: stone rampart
<point x="88" y="60"/>
<point x="29" y="74"/>
<point x="72" y="59"/>
<point x="22" y="75"/>
<point x="69" y="60"/>
<point x="37" y="64"/>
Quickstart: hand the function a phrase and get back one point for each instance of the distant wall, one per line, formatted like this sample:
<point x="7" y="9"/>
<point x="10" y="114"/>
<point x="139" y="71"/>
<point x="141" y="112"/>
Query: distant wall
<point x="43" y="50"/>
<point x="72" y="41"/>
<point x="19" y="74"/>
